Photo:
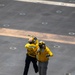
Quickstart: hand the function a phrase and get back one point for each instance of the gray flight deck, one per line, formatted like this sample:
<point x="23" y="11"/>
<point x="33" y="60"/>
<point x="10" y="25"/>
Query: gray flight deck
<point x="36" y="17"/>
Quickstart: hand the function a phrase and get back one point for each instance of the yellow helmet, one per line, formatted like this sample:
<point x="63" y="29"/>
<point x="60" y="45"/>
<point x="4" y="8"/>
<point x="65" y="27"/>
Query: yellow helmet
<point x="42" y="44"/>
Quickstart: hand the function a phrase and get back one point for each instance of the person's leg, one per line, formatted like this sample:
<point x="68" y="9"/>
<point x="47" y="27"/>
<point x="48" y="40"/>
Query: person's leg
<point x="27" y="63"/>
<point x="34" y="61"/>
<point x="39" y="67"/>
<point x="44" y="68"/>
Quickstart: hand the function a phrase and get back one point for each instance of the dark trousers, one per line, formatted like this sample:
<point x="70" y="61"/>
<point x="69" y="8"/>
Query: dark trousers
<point x="27" y="63"/>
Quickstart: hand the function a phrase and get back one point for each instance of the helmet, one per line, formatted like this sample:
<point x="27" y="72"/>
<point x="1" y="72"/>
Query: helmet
<point x="42" y="44"/>
<point x="31" y="40"/>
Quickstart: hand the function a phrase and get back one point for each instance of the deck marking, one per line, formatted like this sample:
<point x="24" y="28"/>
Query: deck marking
<point x="50" y="2"/>
<point x="39" y="35"/>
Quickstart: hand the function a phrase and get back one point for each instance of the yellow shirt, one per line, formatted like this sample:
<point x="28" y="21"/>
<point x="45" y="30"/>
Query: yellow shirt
<point x="41" y="55"/>
<point x="32" y="49"/>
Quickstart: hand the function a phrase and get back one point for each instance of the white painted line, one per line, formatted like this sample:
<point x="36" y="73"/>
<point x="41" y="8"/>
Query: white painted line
<point x="50" y="2"/>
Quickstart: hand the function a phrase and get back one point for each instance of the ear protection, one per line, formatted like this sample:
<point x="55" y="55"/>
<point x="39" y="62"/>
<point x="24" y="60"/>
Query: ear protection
<point x="31" y="40"/>
<point x="42" y="44"/>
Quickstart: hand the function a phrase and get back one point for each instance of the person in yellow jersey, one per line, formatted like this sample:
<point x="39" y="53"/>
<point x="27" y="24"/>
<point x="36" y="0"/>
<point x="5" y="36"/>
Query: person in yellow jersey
<point x="43" y="55"/>
<point x="32" y="47"/>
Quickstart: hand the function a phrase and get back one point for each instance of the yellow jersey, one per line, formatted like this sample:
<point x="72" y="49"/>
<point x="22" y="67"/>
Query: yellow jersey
<point x="32" y="49"/>
<point x="41" y="55"/>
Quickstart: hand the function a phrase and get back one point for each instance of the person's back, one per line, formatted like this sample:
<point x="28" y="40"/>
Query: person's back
<point x="32" y="47"/>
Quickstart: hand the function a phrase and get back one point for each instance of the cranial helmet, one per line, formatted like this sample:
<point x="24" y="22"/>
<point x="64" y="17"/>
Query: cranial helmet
<point x="31" y="40"/>
<point x="42" y="44"/>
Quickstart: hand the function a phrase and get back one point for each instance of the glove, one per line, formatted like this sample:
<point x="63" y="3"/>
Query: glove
<point x="47" y="55"/>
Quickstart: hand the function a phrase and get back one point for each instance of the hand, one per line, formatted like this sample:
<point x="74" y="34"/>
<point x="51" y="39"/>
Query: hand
<point x="47" y="55"/>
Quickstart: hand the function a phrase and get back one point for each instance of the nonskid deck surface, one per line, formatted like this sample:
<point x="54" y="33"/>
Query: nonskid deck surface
<point x="52" y="23"/>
